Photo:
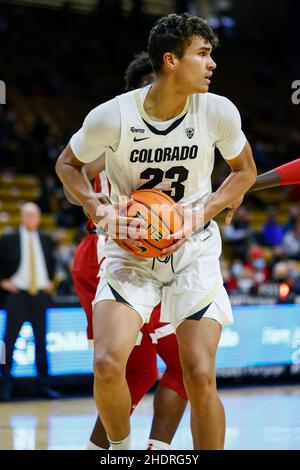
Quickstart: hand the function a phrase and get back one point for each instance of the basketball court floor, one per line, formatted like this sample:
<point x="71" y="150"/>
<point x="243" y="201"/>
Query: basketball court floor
<point x="257" y="418"/>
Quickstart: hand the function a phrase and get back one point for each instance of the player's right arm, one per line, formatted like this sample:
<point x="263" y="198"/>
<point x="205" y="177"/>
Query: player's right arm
<point x="100" y="131"/>
<point x="94" y="168"/>
<point x="89" y="171"/>
<point x="69" y="170"/>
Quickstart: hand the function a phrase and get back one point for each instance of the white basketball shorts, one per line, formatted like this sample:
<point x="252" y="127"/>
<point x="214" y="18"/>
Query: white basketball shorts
<point x="187" y="283"/>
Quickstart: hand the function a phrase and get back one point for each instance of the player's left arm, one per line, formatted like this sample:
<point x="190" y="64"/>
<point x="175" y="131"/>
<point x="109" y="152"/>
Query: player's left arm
<point x="230" y="194"/>
<point x="226" y="128"/>
<point x="224" y="125"/>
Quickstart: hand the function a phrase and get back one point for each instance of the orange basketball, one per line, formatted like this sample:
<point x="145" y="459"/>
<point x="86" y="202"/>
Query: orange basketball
<point x="162" y="217"/>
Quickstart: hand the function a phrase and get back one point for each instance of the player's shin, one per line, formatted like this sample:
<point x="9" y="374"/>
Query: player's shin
<point x="115" y="331"/>
<point x="113" y="402"/>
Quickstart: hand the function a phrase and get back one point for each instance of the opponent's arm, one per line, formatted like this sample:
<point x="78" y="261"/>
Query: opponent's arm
<point x="284" y="175"/>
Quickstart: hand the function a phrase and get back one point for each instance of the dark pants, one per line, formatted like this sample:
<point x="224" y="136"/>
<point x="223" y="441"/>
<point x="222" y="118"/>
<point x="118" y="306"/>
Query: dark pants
<point x="20" y="308"/>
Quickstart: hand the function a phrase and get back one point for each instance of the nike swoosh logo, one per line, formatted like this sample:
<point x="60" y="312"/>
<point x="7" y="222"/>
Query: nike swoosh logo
<point x="138" y="140"/>
<point x="207" y="237"/>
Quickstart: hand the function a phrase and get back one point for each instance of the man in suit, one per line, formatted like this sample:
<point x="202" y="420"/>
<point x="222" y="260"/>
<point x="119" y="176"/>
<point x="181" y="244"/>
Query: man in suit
<point x="26" y="272"/>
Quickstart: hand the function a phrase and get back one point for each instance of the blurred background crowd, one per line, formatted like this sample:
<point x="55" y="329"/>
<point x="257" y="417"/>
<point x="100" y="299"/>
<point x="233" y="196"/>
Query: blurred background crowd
<point x="53" y="80"/>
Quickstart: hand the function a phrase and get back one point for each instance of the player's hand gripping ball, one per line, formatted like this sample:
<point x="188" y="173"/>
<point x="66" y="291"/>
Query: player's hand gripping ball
<point x="162" y="218"/>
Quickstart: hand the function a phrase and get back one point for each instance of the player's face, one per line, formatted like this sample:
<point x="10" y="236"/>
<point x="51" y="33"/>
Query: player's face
<point x="195" y="68"/>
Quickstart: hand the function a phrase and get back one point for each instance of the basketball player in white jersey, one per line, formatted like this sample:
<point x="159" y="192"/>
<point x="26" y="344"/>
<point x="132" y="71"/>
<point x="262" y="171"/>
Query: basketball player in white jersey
<point x="164" y="133"/>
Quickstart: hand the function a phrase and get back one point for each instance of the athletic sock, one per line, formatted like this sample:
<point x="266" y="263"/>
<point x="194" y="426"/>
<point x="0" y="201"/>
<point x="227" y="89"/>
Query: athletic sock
<point x="153" y="444"/>
<point x="92" y="446"/>
<point x="125" y="444"/>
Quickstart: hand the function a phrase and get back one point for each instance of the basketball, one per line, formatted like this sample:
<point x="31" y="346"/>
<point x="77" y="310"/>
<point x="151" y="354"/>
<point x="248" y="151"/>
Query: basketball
<point x="162" y="217"/>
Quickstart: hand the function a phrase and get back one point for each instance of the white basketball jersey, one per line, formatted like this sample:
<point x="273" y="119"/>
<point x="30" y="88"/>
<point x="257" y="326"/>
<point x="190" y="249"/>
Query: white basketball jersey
<point x="181" y="156"/>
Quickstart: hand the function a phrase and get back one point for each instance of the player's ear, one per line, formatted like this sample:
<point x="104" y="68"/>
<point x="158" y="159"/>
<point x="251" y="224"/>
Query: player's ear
<point x="170" y="60"/>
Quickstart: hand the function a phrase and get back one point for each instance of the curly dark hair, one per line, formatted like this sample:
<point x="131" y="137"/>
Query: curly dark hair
<point x="136" y="69"/>
<point x="173" y="33"/>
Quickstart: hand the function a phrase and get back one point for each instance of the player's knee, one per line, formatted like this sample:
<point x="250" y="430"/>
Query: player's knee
<point x="108" y="368"/>
<point x="199" y="377"/>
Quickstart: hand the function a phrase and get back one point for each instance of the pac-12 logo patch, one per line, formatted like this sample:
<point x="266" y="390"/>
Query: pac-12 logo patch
<point x="190" y="132"/>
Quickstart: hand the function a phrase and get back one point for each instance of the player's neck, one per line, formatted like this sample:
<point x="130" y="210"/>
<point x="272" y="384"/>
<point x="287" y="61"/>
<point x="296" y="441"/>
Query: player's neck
<point x="164" y="100"/>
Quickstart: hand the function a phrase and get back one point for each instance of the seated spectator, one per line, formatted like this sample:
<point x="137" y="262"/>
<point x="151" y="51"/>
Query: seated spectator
<point x="64" y="257"/>
<point x="278" y="254"/>
<point x="258" y="265"/>
<point x="272" y="233"/>
<point x="48" y="201"/>
<point x="294" y="277"/>
<point x="280" y="272"/>
<point x="245" y="282"/>
<point x="226" y="275"/>
<point x="292" y="219"/>
<point x="291" y="243"/>
<point x="236" y="269"/>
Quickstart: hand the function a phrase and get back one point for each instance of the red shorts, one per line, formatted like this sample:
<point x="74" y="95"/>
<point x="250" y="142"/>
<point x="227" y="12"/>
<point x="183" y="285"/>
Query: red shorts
<point x="165" y="342"/>
<point x="85" y="276"/>
<point x="141" y="373"/>
<point x="157" y="338"/>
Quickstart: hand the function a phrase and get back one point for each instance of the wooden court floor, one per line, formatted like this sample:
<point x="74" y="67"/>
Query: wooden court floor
<point x="257" y="418"/>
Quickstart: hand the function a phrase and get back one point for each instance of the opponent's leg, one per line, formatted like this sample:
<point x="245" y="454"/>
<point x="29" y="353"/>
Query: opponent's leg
<point x="168" y="411"/>
<point x="116" y="327"/>
<point x="170" y="398"/>
<point x="198" y="342"/>
<point x="141" y="369"/>
<point x="98" y="437"/>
